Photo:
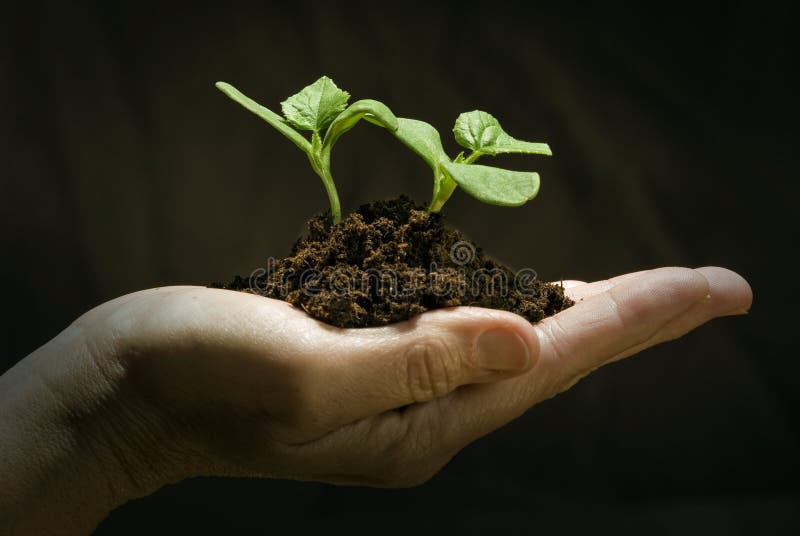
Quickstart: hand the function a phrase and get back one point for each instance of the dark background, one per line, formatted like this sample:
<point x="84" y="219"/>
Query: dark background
<point x="675" y="139"/>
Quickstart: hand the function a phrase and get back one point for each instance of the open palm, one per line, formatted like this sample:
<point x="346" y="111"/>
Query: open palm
<point x="245" y="385"/>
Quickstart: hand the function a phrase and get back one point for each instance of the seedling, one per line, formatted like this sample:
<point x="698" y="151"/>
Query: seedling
<point x="322" y="109"/>
<point x="318" y="107"/>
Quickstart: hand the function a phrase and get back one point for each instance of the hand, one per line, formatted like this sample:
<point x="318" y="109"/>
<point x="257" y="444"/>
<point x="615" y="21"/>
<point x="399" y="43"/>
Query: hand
<point x="253" y="386"/>
<point x="214" y="382"/>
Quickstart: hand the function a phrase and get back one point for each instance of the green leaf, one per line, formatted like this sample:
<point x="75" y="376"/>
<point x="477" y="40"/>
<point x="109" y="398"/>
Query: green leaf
<point x="267" y="115"/>
<point x="494" y="185"/>
<point x="482" y="133"/>
<point x="423" y="139"/>
<point x="373" y="111"/>
<point x="315" y="106"/>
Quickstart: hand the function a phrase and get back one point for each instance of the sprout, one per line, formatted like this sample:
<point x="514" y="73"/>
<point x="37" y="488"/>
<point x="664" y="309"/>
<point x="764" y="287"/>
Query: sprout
<point x="322" y="108"/>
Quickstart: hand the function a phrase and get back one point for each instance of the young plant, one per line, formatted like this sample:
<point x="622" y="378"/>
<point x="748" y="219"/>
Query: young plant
<point x="322" y="107"/>
<point x="481" y="133"/>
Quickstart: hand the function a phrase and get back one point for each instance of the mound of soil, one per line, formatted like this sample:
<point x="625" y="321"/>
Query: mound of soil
<point x="389" y="261"/>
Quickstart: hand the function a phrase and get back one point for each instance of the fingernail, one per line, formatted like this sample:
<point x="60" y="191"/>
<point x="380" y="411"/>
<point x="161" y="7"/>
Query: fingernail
<point x="501" y="349"/>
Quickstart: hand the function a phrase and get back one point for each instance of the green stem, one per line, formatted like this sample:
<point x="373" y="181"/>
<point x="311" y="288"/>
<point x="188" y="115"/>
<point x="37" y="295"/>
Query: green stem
<point x="444" y="186"/>
<point x="320" y="158"/>
<point x="472" y="157"/>
<point x="436" y="205"/>
<point x="321" y="166"/>
<point x="333" y="195"/>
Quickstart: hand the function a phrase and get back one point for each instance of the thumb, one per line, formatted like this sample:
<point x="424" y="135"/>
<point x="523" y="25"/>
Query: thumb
<point x="378" y="369"/>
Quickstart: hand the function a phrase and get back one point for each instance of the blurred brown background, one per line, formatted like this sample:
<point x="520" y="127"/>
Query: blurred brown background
<point x="674" y="129"/>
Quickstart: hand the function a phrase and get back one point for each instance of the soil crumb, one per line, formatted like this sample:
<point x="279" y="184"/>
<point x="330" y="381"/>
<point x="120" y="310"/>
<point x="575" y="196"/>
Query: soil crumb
<point x="392" y="260"/>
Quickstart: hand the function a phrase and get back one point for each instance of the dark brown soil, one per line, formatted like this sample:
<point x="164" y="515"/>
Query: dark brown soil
<point x="389" y="261"/>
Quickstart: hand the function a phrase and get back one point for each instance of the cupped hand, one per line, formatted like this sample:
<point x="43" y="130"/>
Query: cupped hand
<point x="225" y="383"/>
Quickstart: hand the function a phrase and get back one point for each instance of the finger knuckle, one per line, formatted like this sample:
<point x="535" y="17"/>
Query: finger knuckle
<point x="416" y="454"/>
<point x="405" y="469"/>
<point x="410" y="469"/>
<point x="433" y="369"/>
<point x="301" y="414"/>
<point x="562" y="373"/>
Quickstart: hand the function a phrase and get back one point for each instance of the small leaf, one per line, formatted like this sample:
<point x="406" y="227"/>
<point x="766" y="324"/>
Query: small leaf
<point x="315" y="106"/>
<point x="482" y="133"/>
<point x="373" y="111"/>
<point x="266" y="114"/>
<point x="494" y="185"/>
<point x="423" y="139"/>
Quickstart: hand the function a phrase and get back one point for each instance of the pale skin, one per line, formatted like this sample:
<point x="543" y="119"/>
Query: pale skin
<point x="168" y="383"/>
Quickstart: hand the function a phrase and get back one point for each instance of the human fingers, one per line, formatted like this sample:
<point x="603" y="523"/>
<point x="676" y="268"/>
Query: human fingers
<point x="364" y="372"/>
<point x="728" y="294"/>
<point x="638" y="312"/>
<point x="580" y="290"/>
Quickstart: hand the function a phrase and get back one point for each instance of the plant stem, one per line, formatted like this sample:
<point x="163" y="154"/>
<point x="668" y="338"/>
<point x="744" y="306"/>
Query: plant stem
<point x="472" y="157"/>
<point x="321" y="166"/>
<point x="320" y="158"/>
<point x="330" y="189"/>
<point x="436" y="205"/>
<point x="445" y="186"/>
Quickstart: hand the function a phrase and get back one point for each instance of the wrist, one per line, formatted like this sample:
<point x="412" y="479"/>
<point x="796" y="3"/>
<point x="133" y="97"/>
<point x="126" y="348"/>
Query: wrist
<point x="78" y="440"/>
<point x="131" y="439"/>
